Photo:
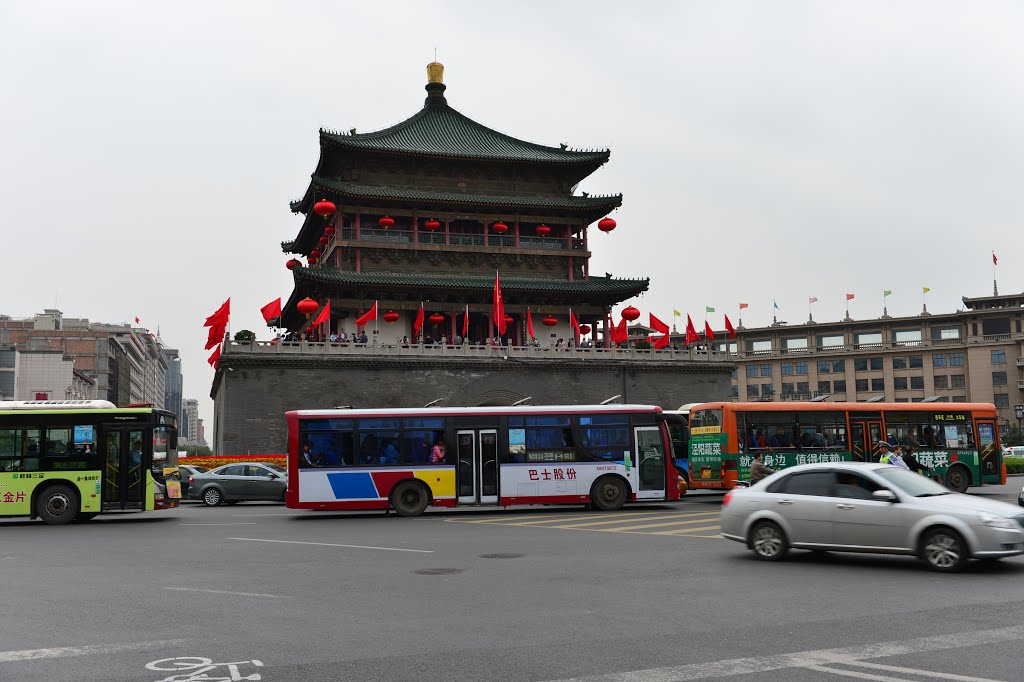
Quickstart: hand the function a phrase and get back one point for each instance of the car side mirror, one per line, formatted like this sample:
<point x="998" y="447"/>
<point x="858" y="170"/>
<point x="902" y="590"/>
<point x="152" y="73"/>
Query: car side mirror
<point x="271" y="477"/>
<point x="884" y="496"/>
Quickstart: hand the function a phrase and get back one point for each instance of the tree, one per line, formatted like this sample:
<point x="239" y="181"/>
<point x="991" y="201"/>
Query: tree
<point x="198" y="451"/>
<point x="245" y="336"/>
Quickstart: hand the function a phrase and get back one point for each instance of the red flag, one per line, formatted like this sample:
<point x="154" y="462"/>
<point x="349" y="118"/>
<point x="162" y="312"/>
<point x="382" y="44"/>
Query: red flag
<point x="214" y="359"/>
<point x="136" y="319"/>
<point x="369" y="316"/>
<point x="850" y="297"/>
<point x="708" y="334"/>
<point x="743" y="305"/>
<point x="325" y="314"/>
<point x="417" y="324"/>
<point x="465" y="322"/>
<point x="691" y="333"/>
<point x="221" y="316"/>
<point x="995" y="261"/>
<point x="499" y="306"/>
<point x="729" y="328"/>
<point x="619" y="333"/>
<point x="575" y="324"/>
<point x="529" y="324"/>
<point x="659" y="326"/>
<point x="271" y="310"/>
<point x="216" y="336"/>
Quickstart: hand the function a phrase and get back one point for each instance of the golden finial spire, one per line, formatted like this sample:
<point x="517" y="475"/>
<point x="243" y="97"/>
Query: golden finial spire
<point x="435" y="71"/>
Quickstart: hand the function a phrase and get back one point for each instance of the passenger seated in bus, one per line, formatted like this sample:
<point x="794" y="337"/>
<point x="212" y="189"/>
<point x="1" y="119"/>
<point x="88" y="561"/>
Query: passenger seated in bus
<point x="437" y="452"/>
<point x="929" y="439"/>
<point x="308" y="458"/>
<point x="779" y="440"/>
<point x="390" y="453"/>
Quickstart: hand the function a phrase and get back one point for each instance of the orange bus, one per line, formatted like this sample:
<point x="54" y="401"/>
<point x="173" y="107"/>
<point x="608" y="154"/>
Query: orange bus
<point x="958" y="441"/>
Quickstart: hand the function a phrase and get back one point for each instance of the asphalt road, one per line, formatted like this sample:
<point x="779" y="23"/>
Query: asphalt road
<point x="649" y="593"/>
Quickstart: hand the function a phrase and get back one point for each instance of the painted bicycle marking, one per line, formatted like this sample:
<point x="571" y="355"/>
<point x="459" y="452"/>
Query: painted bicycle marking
<point x="197" y="669"/>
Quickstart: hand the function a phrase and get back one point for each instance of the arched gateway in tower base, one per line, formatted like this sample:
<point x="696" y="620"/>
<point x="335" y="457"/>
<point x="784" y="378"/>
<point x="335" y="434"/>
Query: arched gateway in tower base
<point x="416" y="222"/>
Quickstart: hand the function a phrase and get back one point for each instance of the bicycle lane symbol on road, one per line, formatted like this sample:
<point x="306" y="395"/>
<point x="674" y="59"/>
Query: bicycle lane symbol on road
<point x="197" y="669"/>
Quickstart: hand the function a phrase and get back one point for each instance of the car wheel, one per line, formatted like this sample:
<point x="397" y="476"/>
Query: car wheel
<point x="608" y="493"/>
<point x="57" y="505"/>
<point x="957" y="479"/>
<point x="944" y="550"/>
<point x="212" y="497"/>
<point x="409" y="498"/>
<point x="768" y="541"/>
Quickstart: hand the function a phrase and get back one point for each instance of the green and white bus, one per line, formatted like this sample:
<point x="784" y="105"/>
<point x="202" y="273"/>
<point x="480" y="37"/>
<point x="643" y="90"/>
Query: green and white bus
<point x="66" y="460"/>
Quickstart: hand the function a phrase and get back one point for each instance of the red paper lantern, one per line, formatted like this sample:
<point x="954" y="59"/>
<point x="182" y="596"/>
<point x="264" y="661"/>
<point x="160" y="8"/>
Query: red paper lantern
<point x="584" y="329"/>
<point x="606" y="225"/>
<point x="314" y="254"/>
<point x="549" y="321"/>
<point x="436" y="319"/>
<point x="313" y="259"/>
<point x="324" y="208"/>
<point x="630" y="313"/>
<point x="509" y="320"/>
<point x="307" y="306"/>
<point x="500" y="228"/>
<point x="293" y="263"/>
<point x="432" y="225"/>
<point x="324" y="240"/>
<point x="330" y="230"/>
<point x="391" y="317"/>
<point x="386" y="222"/>
<point x="543" y="230"/>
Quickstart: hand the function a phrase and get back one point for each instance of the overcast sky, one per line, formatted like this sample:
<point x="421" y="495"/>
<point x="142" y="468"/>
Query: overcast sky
<point x="766" y="150"/>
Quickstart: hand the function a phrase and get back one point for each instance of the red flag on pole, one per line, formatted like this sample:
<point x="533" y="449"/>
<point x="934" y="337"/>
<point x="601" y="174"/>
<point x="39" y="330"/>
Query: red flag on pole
<point x="743" y="305"/>
<point x="529" y="324"/>
<point x="214" y="358"/>
<point x="271" y="310"/>
<point x="325" y="315"/>
<point x="136" y="319"/>
<point x="659" y="326"/>
<point x="499" y="306"/>
<point x="221" y="316"/>
<point x="619" y="333"/>
<point x="465" y="322"/>
<point x="575" y="324"/>
<point x="729" y="328"/>
<point x="708" y="334"/>
<point x="691" y="333"/>
<point x="417" y="324"/>
<point x="995" y="261"/>
<point x="850" y="297"/>
<point x="216" y="336"/>
<point x="369" y="316"/>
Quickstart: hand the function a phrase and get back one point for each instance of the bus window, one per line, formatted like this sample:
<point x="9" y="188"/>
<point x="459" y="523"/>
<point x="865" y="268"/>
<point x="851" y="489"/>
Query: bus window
<point x="416" y="445"/>
<point x="328" y="448"/>
<point x="11" y="441"/>
<point x="705" y="419"/>
<point x="823" y="431"/>
<point x="605" y="437"/>
<point x="771" y="430"/>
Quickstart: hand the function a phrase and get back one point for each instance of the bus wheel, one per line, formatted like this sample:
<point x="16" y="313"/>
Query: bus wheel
<point x="957" y="479"/>
<point x="82" y="517"/>
<point x="608" y="493"/>
<point x="57" y="505"/>
<point x="409" y="498"/>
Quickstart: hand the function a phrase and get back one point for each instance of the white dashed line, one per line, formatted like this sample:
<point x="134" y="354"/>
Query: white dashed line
<point x="330" y="544"/>
<point x="237" y="594"/>
<point x="89" y="650"/>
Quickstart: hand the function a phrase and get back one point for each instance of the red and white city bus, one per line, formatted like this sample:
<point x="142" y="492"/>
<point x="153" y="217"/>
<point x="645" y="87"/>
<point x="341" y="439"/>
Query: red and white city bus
<point x="409" y="459"/>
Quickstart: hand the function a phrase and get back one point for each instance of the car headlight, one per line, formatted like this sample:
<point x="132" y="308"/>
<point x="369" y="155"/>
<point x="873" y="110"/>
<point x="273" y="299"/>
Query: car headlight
<point x="995" y="521"/>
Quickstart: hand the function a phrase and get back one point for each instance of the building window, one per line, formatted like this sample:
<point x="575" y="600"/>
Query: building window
<point x="1001" y="399"/>
<point x="735" y="391"/>
<point x="908" y="336"/>
<point x="839" y="365"/>
<point x="916" y="362"/>
<point x="836" y="341"/>
<point x="869" y="339"/>
<point x="760" y="347"/>
<point x="803" y="387"/>
<point x="878" y="384"/>
<point x="788" y="388"/>
<point x="875" y="364"/>
<point x="824" y="387"/>
<point x="899" y="383"/>
<point x="940" y="333"/>
<point x="787" y="369"/>
<point x="860" y="364"/>
<point x="958" y="380"/>
<point x="959" y="399"/>
<point x="767" y="390"/>
<point x="903" y="400"/>
<point x="956" y="359"/>
<point x="751" y="371"/>
<point x="795" y="343"/>
<point x="839" y="386"/>
<point x="899" y="363"/>
<point x="766" y="370"/>
<point x="939" y="360"/>
<point x="941" y="381"/>
<point x="801" y="368"/>
<point x="824" y="366"/>
<point x="998" y="378"/>
<point x="999" y="357"/>
<point x="752" y="391"/>
<point x="917" y="383"/>
<point x="862" y="385"/>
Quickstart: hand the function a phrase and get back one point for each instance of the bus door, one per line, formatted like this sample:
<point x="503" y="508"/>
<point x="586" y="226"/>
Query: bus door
<point x="477" y="452"/>
<point x="864" y="434"/>
<point x="650" y="462"/>
<point x="989" y="456"/>
<point x="122" y="450"/>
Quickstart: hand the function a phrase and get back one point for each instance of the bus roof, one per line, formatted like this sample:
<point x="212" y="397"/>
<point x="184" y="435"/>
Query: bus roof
<point x="57" y="405"/>
<point x="470" y="411"/>
<point x="844" y="407"/>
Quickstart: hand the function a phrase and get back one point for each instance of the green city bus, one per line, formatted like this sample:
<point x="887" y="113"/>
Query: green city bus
<point x="66" y="460"/>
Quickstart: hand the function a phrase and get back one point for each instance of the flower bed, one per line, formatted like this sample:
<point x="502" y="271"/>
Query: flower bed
<point x="215" y="461"/>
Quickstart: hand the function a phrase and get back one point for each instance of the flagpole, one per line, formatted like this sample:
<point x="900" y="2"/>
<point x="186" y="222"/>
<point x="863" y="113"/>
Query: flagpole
<point x="376" y="315"/>
<point x="995" y="285"/>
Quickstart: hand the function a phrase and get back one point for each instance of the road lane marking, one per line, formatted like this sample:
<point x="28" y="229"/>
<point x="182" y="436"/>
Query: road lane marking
<point x="88" y="650"/>
<point x="686" y="531"/>
<point x="621" y="520"/>
<point x="330" y="544"/>
<point x="852" y="673"/>
<point x="914" y="671"/>
<point x="238" y="594"/>
<point x="804" y="659"/>
<point x="237" y="523"/>
<point x="663" y="523"/>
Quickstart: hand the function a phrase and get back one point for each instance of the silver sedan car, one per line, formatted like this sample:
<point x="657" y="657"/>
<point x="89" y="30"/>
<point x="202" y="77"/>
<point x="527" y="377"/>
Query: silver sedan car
<point x="853" y="507"/>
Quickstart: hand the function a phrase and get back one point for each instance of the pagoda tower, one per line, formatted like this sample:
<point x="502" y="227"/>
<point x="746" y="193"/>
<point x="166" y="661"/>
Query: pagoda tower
<point x="429" y="210"/>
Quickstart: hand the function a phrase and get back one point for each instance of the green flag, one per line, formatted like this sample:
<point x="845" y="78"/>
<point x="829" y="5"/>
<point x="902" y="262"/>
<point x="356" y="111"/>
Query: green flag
<point x="887" y="292"/>
<point x="708" y="309"/>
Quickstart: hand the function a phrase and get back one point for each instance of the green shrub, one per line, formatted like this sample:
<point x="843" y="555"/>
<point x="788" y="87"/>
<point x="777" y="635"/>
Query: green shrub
<point x="1014" y="465"/>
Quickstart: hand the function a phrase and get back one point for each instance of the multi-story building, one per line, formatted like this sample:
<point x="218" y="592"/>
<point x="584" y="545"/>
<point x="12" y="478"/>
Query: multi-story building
<point x="173" y="383"/>
<point x="189" y="427"/>
<point x="975" y="354"/>
<point x="200" y="433"/>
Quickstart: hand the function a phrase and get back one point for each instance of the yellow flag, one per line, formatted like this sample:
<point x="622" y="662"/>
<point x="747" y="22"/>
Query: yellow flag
<point x="926" y="290"/>
<point x="676" y="313"/>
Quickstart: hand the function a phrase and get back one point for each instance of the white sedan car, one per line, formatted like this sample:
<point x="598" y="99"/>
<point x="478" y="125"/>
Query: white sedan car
<point x="855" y="507"/>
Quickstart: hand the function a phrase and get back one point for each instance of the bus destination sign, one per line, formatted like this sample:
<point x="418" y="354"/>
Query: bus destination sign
<point x="950" y="417"/>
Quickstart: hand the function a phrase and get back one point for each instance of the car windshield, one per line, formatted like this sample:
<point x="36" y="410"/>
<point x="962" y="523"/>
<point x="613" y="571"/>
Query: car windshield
<point x="912" y="484"/>
<point x="280" y="470"/>
<point x="200" y="470"/>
